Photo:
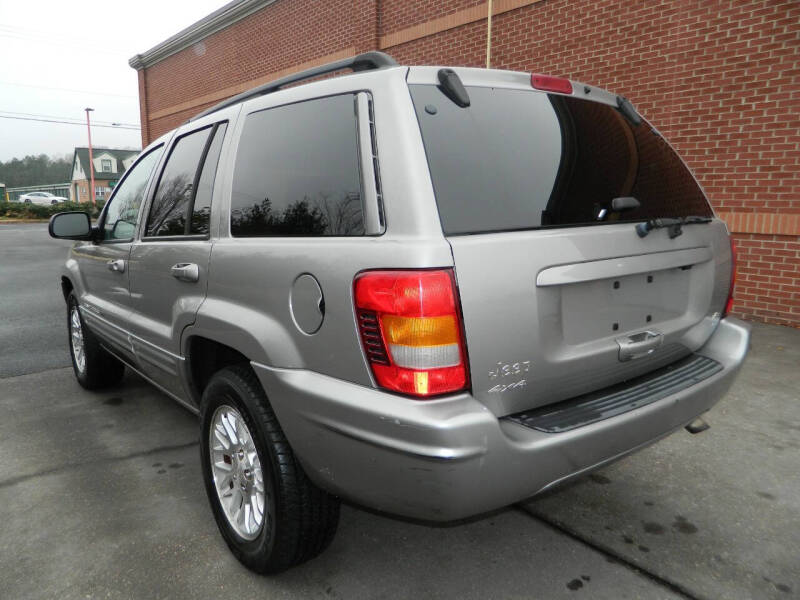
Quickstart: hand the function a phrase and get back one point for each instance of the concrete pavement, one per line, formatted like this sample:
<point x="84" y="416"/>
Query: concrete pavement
<point x="101" y="497"/>
<point x="716" y="513"/>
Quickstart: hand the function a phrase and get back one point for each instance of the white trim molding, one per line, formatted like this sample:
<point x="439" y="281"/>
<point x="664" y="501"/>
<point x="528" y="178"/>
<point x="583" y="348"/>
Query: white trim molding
<point x="219" y="19"/>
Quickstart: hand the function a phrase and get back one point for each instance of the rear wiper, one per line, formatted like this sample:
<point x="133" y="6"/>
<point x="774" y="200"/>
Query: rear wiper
<point x="626" y="108"/>
<point x="673" y="225"/>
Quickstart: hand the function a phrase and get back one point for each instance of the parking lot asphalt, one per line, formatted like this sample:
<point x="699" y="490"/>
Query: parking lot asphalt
<point x="31" y="304"/>
<point x="101" y="496"/>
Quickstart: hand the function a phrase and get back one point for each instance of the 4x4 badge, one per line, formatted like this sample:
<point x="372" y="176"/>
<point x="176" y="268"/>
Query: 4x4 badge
<point x="502" y="387"/>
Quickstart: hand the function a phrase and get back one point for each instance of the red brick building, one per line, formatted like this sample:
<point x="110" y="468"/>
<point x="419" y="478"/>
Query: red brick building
<point x="720" y="79"/>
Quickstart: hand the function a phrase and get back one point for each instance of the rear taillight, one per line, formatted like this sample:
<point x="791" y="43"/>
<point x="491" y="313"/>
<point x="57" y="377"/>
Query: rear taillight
<point x="729" y="303"/>
<point x="410" y="327"/>
<point x="548" y="83"/>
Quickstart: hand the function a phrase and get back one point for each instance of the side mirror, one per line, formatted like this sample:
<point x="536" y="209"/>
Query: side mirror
<point x="123" y="230"/>
<point x="71" y="226"/>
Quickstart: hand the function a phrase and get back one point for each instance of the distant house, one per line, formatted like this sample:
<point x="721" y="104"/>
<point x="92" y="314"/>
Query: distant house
<point x="109" y="166"/>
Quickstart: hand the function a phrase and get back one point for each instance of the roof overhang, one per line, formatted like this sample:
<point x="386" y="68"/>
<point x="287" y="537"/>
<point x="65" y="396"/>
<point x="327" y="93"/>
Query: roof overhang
<point x="219" y="19"/>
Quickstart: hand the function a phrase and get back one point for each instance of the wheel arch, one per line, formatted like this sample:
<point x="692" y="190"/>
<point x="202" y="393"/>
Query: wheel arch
<point x="71" y="279"/>
<point x="255" y="334"/>
<point x="66" y="286"/>
<point x="204" y="357"/>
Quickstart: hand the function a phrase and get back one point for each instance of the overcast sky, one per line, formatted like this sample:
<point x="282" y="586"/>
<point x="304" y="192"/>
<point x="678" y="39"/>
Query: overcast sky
<point x="57" y="58"/>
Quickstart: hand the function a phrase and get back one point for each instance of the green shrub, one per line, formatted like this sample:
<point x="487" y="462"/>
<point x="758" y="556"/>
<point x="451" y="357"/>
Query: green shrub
<point x="25" y="210"/>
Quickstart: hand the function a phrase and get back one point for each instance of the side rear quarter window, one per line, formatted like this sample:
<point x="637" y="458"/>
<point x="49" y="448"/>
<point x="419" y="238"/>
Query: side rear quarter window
<point x="297" y="171"/>
<point x="201" y="209"/>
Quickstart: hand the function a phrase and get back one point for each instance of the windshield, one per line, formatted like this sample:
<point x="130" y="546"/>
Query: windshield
<point x="517" y="159"/>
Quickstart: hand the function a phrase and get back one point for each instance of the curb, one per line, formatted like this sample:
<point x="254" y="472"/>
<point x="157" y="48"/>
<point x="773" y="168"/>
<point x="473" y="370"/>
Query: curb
<point x="16" y="221"/>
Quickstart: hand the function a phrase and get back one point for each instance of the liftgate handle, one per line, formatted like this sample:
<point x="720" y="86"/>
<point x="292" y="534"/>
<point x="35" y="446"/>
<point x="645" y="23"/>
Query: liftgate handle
<point x="639" y="344"/>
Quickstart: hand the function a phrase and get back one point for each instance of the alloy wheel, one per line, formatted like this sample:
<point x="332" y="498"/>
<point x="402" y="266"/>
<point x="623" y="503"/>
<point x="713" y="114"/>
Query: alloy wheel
<point x="76" y="339"/>
<point x="236" y="468"/>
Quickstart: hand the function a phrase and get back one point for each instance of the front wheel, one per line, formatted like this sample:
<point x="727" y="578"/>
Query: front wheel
<point x="94" y="367"/>
<point x="269" y="513"/>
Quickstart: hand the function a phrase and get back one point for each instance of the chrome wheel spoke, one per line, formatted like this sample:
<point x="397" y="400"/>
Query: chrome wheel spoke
<point x="224" y="484"/>
<point x="223" y="466"/>
<point x="236" y="468"/>
<point x="257" y="500"/>
<point x="229" y="427"/>
<point x="222" y="436"/>
<point x="246" y="517"/>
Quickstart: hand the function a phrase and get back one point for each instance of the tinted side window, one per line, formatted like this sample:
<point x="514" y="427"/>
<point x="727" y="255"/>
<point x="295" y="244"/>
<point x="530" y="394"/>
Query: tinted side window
<point x="297" y="171"/>
<point x="122" y="212"/>
<point x="173" y="198"/>
<point x="201" y="211"/>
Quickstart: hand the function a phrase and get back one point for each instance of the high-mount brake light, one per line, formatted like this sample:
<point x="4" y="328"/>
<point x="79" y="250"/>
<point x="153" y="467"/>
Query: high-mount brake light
<point x="729" y="303"/>
<point x="410" y="327"/>
<point x="548" y="83"/>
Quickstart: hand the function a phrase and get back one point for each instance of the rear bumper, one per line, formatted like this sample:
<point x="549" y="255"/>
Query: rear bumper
<point x="451" y="458"/>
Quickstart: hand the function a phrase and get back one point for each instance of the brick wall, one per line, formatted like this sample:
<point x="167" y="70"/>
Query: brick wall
<point x="768" y="278"/>
<point x="720" y="79"/>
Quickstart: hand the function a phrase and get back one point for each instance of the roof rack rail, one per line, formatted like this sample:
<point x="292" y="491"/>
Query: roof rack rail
<point x="361" y="62"/>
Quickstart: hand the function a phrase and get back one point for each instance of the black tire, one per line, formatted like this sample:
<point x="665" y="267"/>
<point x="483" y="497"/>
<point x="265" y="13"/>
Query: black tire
<point x="300" y="519"/>
<point x="100" y="368"/>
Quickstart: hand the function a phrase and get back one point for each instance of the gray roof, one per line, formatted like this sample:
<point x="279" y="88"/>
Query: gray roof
<point x="82" y="154"/>
<point x="219" y="19"/>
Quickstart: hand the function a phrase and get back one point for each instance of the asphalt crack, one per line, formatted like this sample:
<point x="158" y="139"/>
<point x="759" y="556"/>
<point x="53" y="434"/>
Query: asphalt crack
<point x="110" y="459"/>
<point x="611" y="554"/>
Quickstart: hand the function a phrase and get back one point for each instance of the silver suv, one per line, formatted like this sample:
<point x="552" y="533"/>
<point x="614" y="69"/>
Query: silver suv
<point x="431" y="291"/>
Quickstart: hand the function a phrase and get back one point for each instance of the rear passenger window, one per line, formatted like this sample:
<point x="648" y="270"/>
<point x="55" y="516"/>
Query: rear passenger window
<point x="182" y="202"/>
<point x="201" y="212"/>
<point x="297" y="171"/>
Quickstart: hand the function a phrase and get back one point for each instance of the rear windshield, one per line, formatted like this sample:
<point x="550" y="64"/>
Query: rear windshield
<point x="517" y="159"/>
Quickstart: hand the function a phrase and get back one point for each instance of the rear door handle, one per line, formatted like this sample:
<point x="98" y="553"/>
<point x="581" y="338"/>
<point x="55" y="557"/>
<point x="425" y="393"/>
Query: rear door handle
<point x="118" y="266"/>
<point x="639" y="344"/>
<point x="186" y="272"/>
